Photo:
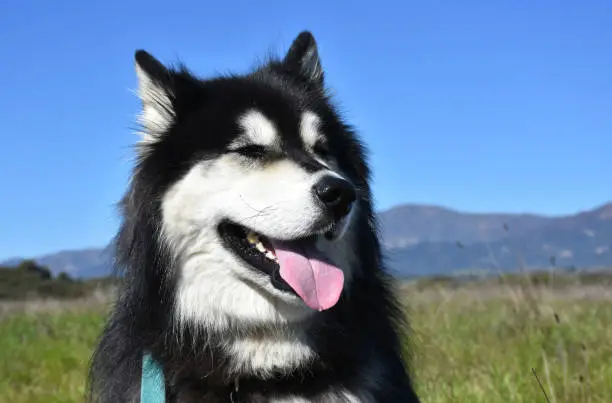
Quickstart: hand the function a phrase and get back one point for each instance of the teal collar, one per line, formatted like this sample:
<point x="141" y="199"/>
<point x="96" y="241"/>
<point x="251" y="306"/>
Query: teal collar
<point x="152" y="384"/>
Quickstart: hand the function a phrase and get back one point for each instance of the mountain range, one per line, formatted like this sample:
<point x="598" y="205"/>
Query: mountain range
<point x="425" y="240"/>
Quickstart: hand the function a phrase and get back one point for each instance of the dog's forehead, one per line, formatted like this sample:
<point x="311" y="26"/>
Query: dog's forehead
<point x="279" y="130"/>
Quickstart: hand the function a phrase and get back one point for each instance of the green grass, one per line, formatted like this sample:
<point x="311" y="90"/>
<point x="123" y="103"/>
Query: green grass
<point x="44" y="357"/>
<point x="472" y="343"/>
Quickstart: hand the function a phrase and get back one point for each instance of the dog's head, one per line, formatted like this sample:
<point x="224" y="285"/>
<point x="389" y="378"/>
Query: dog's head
<point x="257" y="182"/>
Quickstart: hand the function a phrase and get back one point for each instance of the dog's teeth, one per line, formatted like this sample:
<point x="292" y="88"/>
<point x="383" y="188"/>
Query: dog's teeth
<point x="252" y="238"/>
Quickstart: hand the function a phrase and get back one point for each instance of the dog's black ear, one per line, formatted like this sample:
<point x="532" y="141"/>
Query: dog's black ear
<point x="303" y="58"/>
<point x="147" y="65"/>
<point x="157" y="96"/>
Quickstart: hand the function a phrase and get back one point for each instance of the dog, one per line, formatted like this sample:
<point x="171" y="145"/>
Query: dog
<point x="251" y="267"/>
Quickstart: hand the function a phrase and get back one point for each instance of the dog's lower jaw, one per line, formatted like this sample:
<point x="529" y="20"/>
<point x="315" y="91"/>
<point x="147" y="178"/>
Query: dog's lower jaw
<point x="216" y="291"/>
<point x="221" y="312"/>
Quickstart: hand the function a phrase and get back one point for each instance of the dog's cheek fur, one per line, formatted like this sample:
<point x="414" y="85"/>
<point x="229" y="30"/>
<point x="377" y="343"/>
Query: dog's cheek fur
<point x="275" y="199"/>
<point x="212" y="283"/>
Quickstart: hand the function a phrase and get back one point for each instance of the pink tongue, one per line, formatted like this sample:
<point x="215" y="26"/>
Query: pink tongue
<point x="318" y="282"/>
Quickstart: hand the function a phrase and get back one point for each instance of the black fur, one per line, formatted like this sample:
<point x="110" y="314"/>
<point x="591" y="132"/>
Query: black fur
<point x="362" y="331"/>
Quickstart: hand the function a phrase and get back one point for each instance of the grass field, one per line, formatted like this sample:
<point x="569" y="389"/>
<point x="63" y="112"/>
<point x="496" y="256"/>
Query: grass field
<point x="471" y="343"/>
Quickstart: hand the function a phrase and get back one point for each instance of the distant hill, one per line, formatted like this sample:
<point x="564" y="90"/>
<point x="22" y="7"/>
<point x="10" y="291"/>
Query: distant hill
<point x="80" y="263"/>
<point x="410" y="224"/>
<point x="456" y="241"/>
<point x="422" y="240"/>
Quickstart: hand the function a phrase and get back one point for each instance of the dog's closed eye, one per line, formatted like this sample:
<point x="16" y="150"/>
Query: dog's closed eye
<point x="253" y="151"/>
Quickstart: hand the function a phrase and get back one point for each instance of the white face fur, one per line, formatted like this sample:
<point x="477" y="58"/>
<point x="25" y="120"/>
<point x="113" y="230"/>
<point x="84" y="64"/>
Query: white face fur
<point x="216" y="287"/>
<point x="277" y="201"/>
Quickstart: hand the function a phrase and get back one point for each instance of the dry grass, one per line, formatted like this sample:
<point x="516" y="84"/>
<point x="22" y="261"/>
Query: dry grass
<point x="98" y="300"/>
<point x="496" y="343"/>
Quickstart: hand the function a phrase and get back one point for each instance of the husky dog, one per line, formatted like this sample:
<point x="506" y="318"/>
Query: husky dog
<point x="251" y="265"/>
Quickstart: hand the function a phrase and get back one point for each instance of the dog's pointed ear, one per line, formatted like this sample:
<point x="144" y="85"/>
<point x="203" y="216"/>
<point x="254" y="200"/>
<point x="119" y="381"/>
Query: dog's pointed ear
<point x="157" y="96"/>
<point x="303" y="58"/>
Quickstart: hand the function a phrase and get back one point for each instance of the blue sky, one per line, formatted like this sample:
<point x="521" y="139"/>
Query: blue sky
<point x="499" y="105"/>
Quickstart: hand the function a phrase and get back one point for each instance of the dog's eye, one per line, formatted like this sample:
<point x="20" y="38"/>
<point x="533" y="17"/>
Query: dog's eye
<point x="253" y="151"/>
<point x="321" y="149"/>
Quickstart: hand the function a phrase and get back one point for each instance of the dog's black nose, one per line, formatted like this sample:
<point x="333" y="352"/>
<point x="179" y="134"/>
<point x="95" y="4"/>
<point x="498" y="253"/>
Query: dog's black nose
<point x="337" y="194"/>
